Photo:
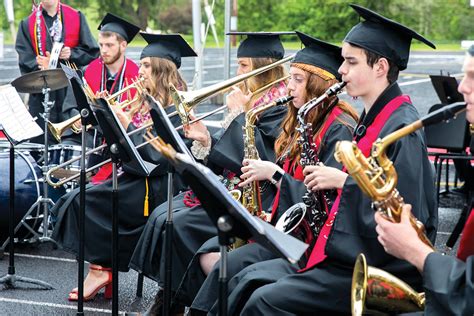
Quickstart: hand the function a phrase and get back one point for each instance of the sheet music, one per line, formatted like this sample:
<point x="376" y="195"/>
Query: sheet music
<point x="17" y="122"/>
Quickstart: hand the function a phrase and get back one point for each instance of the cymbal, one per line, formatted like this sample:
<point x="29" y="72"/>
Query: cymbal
<point x="35" y="81"/>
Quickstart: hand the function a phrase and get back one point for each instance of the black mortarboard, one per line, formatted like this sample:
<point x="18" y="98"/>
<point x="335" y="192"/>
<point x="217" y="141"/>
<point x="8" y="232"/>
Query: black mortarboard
<point x="261" y="44"/>
<point x="169" y="46"/>
<point x="113" y="23"/>
<point x="383" y="36"/>
<point x="319" y="53"/>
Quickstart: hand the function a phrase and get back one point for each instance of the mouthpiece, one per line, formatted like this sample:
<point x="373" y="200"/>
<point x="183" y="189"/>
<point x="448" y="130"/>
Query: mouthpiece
<point x="335" y="88"/>
<point x="445" y="113"/>
<point x="284" y="100"/>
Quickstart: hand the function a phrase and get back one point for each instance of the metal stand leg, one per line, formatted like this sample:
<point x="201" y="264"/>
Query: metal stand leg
<point x="168" y="242"/>
<point x="115" y="257"/>
<point x="224" y="227"/>
<point x="10" y="279"/>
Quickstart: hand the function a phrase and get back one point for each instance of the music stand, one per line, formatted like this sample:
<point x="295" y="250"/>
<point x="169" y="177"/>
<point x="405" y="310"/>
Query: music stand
<point x="165" y="129"/>
<point x="43" y="81"/>
<point x="121" y="149"/>
<point x="446" y="88"/>
<point x="16" y="133"/>
<point x="86" y="119"/>
<point x="230" y="217"/>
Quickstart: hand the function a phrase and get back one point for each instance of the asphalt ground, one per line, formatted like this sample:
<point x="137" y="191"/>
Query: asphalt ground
<point x="43" y="262"/>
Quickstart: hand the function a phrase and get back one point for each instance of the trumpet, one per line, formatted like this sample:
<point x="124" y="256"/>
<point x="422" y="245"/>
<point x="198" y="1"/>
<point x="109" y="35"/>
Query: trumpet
<point x="58" y="129"/>
<point x="377" y="177"/>
<point x="185" y="101"/>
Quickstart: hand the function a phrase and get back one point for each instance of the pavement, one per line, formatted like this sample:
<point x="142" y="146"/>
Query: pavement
<point x="58" y="268"/>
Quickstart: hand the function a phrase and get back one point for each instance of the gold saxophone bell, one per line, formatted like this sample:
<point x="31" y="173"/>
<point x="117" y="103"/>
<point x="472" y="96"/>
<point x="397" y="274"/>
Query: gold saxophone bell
<point x="186" y="101"/>
<point x="374" y="291"/>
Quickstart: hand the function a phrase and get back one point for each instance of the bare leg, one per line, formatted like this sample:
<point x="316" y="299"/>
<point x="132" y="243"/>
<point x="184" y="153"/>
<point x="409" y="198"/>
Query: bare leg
<point x="208" y="260"/>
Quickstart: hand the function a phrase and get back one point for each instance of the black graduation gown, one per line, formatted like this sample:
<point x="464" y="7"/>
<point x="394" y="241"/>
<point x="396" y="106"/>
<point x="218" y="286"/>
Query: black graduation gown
<point x="291" y="192"/>
<point x="449" y="285"/>
<point x="192" y="225"/>
<point x="326" y="287"/>
<point x="98" y="216"/>
<point x="86" y="51"/>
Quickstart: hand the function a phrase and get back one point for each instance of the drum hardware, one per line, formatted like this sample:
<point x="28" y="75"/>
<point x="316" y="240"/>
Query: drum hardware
<point x="43" y="81"/>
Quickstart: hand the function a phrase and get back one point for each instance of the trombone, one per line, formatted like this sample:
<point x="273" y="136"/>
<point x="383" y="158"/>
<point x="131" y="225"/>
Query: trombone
<point x="184" y="102"/>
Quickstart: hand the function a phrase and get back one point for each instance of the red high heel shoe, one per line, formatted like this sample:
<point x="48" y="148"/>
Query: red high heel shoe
<point x="107" y="284"/>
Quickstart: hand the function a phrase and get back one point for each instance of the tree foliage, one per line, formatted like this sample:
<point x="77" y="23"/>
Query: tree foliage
<point x="326" y="19"/>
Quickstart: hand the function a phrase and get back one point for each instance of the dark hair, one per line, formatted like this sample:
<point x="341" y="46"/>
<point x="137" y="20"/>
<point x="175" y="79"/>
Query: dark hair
<point x="393" y="70"/>
<point x="470" y="50"/>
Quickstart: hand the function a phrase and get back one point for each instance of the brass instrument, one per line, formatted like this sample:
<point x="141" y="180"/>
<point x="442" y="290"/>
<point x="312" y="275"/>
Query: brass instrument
<point x="471" y="128"/>
<point x="222" y="108"/>
<point x="375" y="290"/>
<point x="185" y="101"/>
<point x="58" y="129"/>
<point x="251" y="198"/>
<point x="377" y="177"/>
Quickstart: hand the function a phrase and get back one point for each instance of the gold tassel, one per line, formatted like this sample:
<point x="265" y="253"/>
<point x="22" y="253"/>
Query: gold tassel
<point x="145" y="206"/>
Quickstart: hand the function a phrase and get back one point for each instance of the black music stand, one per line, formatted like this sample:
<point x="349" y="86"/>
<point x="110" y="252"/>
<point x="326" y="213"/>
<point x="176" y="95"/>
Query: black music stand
<point x="121" y="149"/>
<point x="165" y="129"/>
<point x="11" y="278"/>
<point x="230" y="216"/>
<point x="86" y="119"/>
<point x="233" y="220"/>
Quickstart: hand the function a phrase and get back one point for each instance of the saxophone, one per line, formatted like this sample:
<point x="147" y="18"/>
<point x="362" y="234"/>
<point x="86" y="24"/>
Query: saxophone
<point x="251" y="198"/>
<point x="377" y="177"/>
<point x="311" y="213"/>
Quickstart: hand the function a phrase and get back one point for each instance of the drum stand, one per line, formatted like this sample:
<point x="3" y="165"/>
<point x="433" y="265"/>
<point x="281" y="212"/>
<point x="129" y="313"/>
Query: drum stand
<point x="10" y="279"/>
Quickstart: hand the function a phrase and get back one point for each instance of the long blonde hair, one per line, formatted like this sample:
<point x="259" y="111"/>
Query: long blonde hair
<point x="254" y="83"/>
<point x="164" y="73"/>
<point x="315" y="86"/>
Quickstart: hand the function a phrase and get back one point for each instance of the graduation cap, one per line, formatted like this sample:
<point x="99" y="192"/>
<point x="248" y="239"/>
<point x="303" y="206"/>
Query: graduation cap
<point x="320" y="54"/>
<point x="113" y="23"/>
<point x="169" y="46"/>
<point x="261" y="44"/>
<point x="383" y="36"/>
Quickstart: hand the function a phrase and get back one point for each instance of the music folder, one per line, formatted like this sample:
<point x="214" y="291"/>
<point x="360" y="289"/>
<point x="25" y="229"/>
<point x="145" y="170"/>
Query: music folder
<point x="217" y="202"/>
<point x="79" y="95"/>
<point x="15" y="120"/>
<point x="114" y="133"/>
<point x="164" y="128"/>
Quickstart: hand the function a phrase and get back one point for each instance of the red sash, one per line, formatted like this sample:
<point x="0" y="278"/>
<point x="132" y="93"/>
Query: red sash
<point x="71" y="28"/>
<point x="365" y="144"/>
<point x="466" y="245"/>
<point x="93" y="77"/>
<point x="298" y="171"/>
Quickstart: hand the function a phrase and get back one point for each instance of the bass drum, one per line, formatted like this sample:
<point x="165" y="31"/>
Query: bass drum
<point x="27" y="191"/>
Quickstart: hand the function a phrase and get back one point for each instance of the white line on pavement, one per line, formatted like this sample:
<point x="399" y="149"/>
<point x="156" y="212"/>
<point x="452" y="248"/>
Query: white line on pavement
<point x="42" y="257"/>
<point x="90" y="309"/>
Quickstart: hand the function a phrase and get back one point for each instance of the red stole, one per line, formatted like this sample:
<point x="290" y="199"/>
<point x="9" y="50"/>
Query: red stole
<point x="466" y="245"/>
<point x="71" y="29"/>
<point x="93" y="77"/>
<point x="289" y="166"/>
<point x="94" y="70"/>
<point x="365" y="144"/>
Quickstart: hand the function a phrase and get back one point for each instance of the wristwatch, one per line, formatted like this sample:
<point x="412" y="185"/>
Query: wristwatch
<point x="276" y="177"/>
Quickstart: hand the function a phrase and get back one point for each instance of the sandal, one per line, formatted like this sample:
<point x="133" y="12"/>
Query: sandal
<point x="73" y="295"/>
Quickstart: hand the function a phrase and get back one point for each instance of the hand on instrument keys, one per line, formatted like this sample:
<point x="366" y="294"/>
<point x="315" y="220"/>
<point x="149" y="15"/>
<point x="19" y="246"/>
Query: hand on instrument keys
<point x="401" y="239"/>
<point x="256" y="170"/>
<point x="77" y="125"/>
<point x="236" y="100"/>
<point x="320" y="177"/>
<point x="65" y="53"/>
<point x="197" y="131"/>
<point x="43" y="61"/>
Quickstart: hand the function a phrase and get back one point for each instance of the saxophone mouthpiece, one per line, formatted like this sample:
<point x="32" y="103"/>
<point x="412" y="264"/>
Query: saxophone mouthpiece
<point x="443" y="114"/>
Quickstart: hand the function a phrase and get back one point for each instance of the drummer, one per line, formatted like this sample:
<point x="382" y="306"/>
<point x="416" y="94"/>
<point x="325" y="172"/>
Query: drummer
<point x="50" y="23"/>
